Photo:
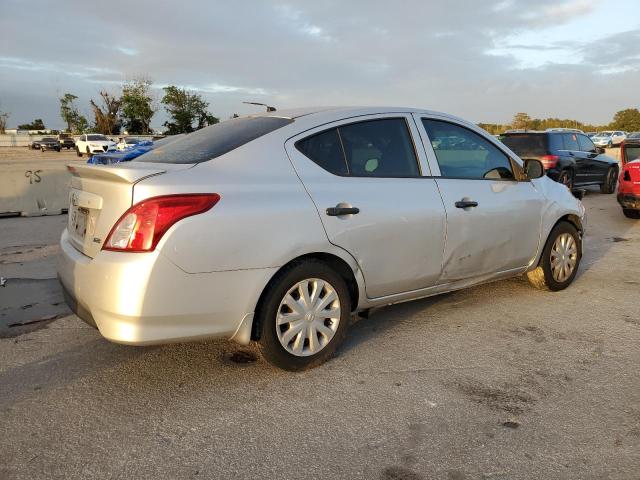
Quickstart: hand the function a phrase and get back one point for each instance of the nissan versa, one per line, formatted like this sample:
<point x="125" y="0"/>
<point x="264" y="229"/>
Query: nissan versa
<point x="276" y="228"/>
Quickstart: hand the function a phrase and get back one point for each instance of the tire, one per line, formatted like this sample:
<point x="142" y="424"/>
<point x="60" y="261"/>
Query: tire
<point x="543" y="276"/>
<point x="610" y="181"/>
<point x="630" y="213"/>
<point x="89" y="154"/>
<point x="78" y="152"/>
<point x="276" y="346"/>
<point x="58" y="149"/>
<point x="567" y="178"/>
<point x="610" y="144"/>
<point x="42" y="149"/>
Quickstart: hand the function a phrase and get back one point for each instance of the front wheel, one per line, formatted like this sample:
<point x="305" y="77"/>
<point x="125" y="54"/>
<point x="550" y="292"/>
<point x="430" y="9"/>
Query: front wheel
<point x="303" y="316"/>
<point x="560" y="259"/>
<point x="610" y="180"/>
<point x="630" y="213"/>
<point x="78" y="152"/>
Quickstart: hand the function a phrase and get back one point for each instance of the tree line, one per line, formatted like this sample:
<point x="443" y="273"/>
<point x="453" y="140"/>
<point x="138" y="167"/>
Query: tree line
<point x="133" y="108"/>
<point x="627" y="120"/>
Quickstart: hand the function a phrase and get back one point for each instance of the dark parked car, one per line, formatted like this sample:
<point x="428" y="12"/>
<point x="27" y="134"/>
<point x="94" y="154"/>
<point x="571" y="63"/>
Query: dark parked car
<point x="49" y="143"/>
<point x="66" y="141"/>
<point x="570" y="158"/>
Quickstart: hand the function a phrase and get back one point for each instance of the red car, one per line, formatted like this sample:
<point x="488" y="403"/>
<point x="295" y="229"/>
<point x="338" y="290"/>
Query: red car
<point x="629" y="185"/>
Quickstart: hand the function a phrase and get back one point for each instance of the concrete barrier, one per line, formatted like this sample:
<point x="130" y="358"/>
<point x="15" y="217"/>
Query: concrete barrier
<point x="34" y="188"/>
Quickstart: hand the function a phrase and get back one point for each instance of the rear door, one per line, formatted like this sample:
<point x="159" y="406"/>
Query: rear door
<point x="493" y="220"/>
<point x="584" y="168"/>
<point x="372" y="190"/>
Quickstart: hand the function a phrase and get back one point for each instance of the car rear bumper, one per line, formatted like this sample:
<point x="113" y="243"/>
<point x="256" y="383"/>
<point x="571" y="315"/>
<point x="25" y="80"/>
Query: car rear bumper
<point x="143" y="298"/>
<point x="629" y="200"/>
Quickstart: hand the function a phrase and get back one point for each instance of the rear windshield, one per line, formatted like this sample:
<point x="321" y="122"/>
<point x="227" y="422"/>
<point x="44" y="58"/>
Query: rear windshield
<point x="526" y="145"/>
<point x="213" y="141"/>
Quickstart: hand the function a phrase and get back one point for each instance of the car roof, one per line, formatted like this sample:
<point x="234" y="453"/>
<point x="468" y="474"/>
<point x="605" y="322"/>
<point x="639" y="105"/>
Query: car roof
<point x="294" y="113"/>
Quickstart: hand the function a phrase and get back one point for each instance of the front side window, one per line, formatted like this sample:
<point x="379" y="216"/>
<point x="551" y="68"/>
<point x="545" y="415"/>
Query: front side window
<point x="373" y="148"/>
<point x="586" y="145"/>
<point x="462" y="153"/>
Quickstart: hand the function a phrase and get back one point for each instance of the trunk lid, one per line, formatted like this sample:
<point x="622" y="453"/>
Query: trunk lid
<point x="99" y="196"/>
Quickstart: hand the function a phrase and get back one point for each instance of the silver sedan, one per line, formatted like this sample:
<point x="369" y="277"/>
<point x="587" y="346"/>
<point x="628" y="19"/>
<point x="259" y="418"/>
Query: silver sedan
<point x="277" y="228"/>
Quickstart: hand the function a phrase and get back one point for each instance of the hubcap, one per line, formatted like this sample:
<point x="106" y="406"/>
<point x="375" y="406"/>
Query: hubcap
<point x="564" y="257"/>
<point x="308" y="317"/>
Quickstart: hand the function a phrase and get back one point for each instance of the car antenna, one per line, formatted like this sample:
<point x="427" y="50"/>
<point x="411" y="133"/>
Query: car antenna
<point x="269" y="108"/>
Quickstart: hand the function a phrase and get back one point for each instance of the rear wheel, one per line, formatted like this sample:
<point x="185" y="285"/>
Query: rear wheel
<point x="560" y="259"/>
<point x="89" y="154"/>
<point x="304" y="316"/>
<point x="630" y="213"/>
<point x="610" y="180"/>
<point x="566" y="178"/>
<point x="78" y="152"/>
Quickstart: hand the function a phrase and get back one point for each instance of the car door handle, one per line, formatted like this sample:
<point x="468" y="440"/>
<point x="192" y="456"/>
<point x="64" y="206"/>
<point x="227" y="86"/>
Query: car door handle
<point x="466" y="204"/>
<point x="338" y="211"/>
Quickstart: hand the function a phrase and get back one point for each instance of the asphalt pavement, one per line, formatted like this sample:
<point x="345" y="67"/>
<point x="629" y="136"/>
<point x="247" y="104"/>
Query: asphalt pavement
<point x="500" y="381"/>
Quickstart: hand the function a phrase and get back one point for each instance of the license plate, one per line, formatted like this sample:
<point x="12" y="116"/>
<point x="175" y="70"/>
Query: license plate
<point x="78" y="222"/>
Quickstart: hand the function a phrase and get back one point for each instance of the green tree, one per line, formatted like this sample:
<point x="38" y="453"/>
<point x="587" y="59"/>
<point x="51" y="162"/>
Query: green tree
<point x="187" y="111"/>
<point x="137" y="107"/>
<point x="76" y="123"/>
<point x="106" y="115"/>
<point x="37" y="124"/>
<point x="521" y="120"/>
<point x="628" y="120"/>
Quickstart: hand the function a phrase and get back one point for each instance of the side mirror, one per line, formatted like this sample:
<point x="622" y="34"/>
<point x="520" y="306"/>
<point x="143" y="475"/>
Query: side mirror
<point x="533" y="168"/>
<point x="599" y="150"/>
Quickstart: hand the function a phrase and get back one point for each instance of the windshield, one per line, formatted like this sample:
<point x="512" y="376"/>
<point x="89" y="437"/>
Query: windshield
<point x="97" y="138"/>
<point x="215" y="140"/>
<point x="634" y="135"/>
<point x="49" y="139"/>
<point x="132" y="140"/>
<point x="604" y="134"/>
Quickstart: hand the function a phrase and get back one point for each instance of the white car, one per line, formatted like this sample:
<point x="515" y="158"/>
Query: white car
<point x="91" y="143"/>
<point x="609" y="138"/>
<point x="278" y="227"/>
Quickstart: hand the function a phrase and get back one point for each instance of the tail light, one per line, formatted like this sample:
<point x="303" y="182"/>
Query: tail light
<point x="142" y="226"/>
<point x="549" y="161"/>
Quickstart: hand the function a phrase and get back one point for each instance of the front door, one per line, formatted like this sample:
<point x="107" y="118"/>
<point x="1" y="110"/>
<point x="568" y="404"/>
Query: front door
<point x="493" y="220"/>
<point x="366" y="179"/>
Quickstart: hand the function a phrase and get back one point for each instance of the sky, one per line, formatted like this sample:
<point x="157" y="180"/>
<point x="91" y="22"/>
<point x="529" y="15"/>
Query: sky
<point x="481" y="60"/>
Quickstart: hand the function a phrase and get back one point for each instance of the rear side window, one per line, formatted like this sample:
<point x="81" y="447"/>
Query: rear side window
<point x="570" y="141"/>
<point x="325" y="150"/>
<point x="586" y="145"/>
<point x="374" y="148"/>
<point x="527" y="145"/>
<point x="213" y="141"/>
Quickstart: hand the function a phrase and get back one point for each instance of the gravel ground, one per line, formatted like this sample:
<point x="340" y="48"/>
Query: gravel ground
<point x="499" y="381"/>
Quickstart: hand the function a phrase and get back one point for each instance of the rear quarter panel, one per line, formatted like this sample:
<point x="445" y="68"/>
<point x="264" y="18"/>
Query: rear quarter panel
<point x="264" y="218"/>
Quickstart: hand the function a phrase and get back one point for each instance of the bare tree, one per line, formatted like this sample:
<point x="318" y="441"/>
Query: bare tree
<point x="4" y="116"/>
<point x="106" y="116"/>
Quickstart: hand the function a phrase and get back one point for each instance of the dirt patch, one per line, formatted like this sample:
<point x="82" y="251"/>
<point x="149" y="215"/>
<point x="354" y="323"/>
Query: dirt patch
<point x="506" y="398"/>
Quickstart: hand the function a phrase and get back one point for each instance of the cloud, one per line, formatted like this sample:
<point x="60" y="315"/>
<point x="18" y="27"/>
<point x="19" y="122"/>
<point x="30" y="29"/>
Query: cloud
<point x="480" y="62"/>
